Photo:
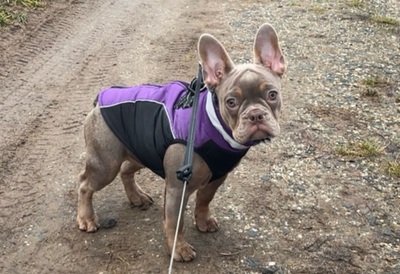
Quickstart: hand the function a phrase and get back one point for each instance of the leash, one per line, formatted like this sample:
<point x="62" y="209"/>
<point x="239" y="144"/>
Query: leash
<point x="184" y="173"/>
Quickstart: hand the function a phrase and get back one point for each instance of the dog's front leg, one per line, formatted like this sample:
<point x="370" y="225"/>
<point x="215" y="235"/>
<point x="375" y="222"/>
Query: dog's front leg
<point x="204" y="221"/>
<point x="173" y="195"/>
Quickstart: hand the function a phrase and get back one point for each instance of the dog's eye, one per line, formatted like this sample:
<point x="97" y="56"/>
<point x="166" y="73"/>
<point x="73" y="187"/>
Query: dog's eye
<point x="272" y="95"/>
<point x="231" y="102"/>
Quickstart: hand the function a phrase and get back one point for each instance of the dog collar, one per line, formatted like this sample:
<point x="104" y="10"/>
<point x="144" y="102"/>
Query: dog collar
<point x="215" y="121"/>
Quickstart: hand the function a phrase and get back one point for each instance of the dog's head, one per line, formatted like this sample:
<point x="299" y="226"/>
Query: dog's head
<point x="249" y="95"/>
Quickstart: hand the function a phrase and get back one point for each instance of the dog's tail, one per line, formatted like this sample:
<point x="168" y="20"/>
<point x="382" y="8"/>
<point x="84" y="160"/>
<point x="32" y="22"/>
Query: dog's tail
<point x="96" y="100"/>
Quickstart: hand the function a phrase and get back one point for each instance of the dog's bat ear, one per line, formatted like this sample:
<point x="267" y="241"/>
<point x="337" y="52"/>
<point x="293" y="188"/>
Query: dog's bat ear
<point x="214" y="59"/>
<point x="267" y="51"/>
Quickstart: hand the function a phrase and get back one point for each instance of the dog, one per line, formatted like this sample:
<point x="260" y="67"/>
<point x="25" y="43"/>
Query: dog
<point x="135" y="127"/>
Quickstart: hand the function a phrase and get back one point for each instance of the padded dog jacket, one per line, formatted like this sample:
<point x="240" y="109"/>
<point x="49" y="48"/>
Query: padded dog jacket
<point x="145" y="121"/>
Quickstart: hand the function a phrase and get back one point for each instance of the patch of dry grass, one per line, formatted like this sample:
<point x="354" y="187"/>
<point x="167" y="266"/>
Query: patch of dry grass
<point x="14" y="11"/>
<point x="375" y="82"/>
<point x="355" y="3"/>
<point x="365" y="148"/>
<point x="385" y="20"/>
<point x="372" y="84"/>
<point x="317" y="9"/>
<point x="393" y="168"/>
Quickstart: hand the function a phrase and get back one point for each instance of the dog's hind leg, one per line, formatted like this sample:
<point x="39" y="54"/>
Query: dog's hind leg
<point x="135" y="194"/>
<point x="104" y="156"/>
<point x="91" y="180"/>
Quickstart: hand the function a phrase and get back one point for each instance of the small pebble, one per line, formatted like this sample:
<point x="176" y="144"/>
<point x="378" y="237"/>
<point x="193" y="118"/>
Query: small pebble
<point x="253" y="262"/>
<point x="108" y="223"/>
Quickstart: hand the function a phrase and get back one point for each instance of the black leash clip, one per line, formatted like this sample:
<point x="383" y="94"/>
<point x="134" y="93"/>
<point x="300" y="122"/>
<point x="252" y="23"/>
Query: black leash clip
<point x="184" y="173"/>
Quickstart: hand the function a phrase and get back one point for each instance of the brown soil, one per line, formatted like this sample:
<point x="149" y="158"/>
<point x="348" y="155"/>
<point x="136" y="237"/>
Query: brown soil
<point x="294" y="206"/>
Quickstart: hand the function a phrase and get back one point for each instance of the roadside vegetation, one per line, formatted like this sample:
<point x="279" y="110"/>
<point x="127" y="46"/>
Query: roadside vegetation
<point x="393" y="168"/>
<point x="365" y="148"/>
<point x="15" y="12"/>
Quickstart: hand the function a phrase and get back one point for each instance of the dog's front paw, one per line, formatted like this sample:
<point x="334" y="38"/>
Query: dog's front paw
<point x="204" y="221"/>
<point x="184" y="253"/>
<point x="209" y="224"/>
<point x="88" y="224"/>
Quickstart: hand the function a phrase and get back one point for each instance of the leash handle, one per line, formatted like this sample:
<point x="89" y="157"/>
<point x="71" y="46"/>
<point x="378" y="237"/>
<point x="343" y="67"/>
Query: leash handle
<point x="184" y="173"/>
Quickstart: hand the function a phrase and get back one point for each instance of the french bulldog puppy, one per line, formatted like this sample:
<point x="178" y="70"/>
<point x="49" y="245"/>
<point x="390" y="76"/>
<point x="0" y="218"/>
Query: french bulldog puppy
<point x="135" y="127"/>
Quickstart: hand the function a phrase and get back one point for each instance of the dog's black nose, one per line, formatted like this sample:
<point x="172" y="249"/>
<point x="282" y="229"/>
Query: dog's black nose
<point x="256" y="116"/>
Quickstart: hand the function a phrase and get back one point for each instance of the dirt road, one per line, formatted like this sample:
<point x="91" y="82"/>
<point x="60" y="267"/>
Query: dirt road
<point x="292" y="207"/>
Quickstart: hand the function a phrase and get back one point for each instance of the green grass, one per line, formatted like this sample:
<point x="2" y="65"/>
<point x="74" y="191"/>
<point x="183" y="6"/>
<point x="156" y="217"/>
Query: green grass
<point x="365" y="148"/>
<point x="372" y="84"/>
<point x="5" y="17"/>
<point x="375" y="82"/>
<point x="294" y="3"/>
<point x="393" y="168"/>
<point x="317" y="9"/>
<point x="14" y="11"/>
<point x="355" y="3"/>
<point x="385" y="20"/>
<point x="25" y="3"/>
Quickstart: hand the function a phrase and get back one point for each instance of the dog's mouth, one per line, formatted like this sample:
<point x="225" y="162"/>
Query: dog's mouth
<point x="249" y="135"/>
<point x="260" y="134"/>
<point x="267" y="139"/>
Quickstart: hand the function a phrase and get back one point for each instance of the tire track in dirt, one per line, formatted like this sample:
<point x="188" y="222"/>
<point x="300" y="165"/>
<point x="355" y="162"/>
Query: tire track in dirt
<point x="39" y="76"/>
<point x="39" y="124"/>
<point x="56" y="88"/>
<point x="35" y="142"/>
<point x="21" y="71"/>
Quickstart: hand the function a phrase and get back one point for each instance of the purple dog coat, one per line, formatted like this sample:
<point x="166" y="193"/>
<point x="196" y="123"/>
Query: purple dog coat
<point x="145" y="121"/>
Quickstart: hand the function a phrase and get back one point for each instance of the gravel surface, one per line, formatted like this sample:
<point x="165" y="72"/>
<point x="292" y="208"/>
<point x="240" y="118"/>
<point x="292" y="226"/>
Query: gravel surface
<point x="327" y="213"/>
